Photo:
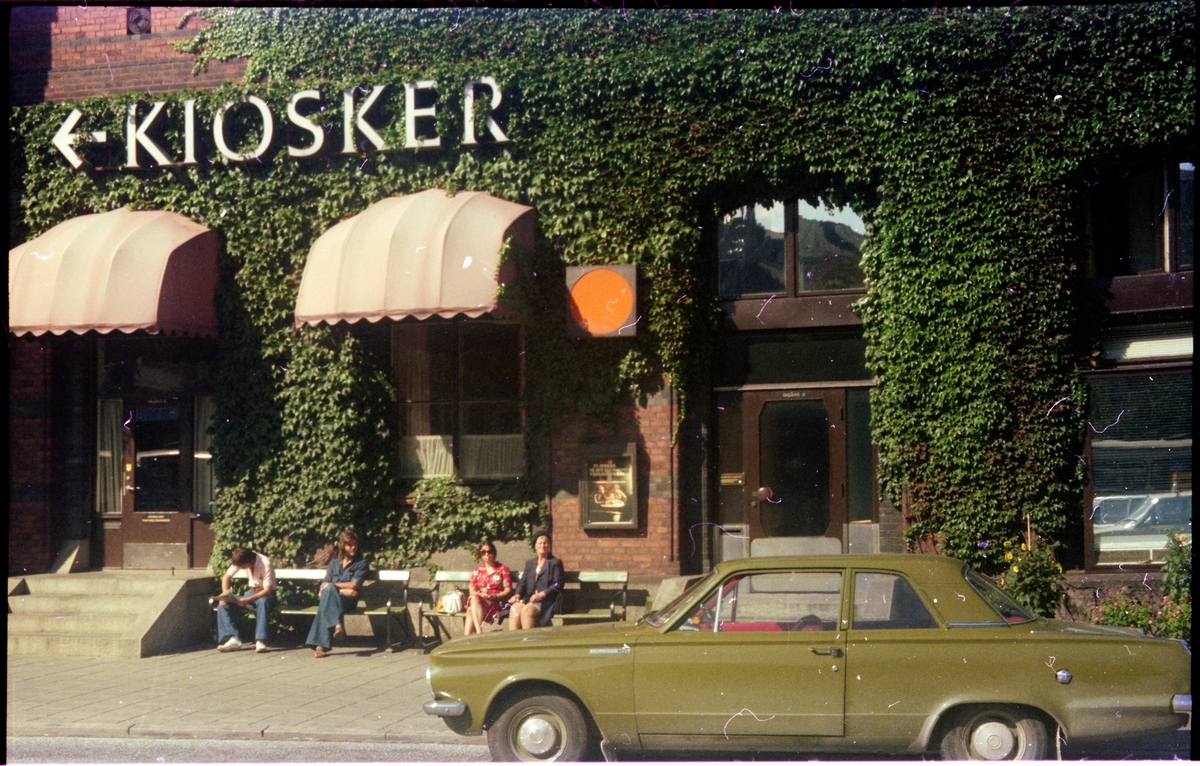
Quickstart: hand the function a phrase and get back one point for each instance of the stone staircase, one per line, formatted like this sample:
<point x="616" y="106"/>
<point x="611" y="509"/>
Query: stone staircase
<point x="108" y="614"/>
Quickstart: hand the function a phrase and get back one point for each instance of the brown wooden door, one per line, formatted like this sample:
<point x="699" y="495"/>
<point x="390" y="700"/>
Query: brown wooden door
<point x="157" y="501"/>
<point x="794" y="444"/>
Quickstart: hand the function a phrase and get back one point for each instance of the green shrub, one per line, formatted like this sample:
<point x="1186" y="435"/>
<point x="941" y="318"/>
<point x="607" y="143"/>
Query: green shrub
<point x="449" y="515"/>
<point x="1032" y="577"/>
<point x="1168" y="618"/>
<point x="1177" y="569"/>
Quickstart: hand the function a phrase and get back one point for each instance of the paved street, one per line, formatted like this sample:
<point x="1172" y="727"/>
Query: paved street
<point x="357" y="705"/>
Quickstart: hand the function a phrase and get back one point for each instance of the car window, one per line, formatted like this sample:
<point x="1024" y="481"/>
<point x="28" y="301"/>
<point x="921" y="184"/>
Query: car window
<point x="1004" y="604"/>
<point x="888" y="602"/>
<point x="667" y="612"/>
<point x="771" y="602"/>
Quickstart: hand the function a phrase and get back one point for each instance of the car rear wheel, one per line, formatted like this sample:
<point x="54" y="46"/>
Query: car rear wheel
<point x="999" y="733"/>
<point x="542" y="728"/>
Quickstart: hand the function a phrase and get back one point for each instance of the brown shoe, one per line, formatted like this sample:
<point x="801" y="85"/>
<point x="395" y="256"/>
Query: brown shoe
<point x="320" y="652"/>
<point x="338" y="631"/>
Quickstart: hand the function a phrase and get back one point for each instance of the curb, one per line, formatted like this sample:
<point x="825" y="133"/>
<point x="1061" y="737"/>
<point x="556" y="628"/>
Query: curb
<point x="113" y="731"/>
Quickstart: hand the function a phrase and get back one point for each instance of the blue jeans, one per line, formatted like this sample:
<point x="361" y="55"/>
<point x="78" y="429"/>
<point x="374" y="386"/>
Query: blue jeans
<point x="227" y="614"/>
<point x="330" y="613"/>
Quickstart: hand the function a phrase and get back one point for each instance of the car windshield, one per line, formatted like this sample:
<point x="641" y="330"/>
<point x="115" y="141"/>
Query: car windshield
<point x="668" y="612"/>
<point x="1003" y="603"/>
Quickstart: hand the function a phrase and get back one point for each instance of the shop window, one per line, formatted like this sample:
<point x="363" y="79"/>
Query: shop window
<point x="458" y="391"/>
<point x="1143" y="223"/>
<point x="789" y="248"/>
<point x="1140" y="433"/>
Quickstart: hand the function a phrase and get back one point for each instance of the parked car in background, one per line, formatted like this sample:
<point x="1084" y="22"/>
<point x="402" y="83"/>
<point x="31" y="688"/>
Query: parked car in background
<point x="876" y="654"/>
<point x="1139" y="535"/>
<point x="1110" y="509"/>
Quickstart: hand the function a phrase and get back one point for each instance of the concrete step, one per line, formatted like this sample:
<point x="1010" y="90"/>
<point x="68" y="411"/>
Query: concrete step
<point x="91" y="584"/>
<point x="108" y="614"/>
<point x="105" y="647"/>
<point x="71" y="625"/>
<point x="56" y="604"/>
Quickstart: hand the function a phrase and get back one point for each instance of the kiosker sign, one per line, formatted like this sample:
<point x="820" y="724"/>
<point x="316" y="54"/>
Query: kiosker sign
<point x="137" y="131"/>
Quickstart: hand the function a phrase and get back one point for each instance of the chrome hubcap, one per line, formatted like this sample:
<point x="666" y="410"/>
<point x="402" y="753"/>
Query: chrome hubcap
<point x="537" y="736"/>
<point x="993" y="741"/>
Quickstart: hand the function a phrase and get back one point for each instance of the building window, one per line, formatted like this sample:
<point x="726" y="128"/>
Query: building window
<point x="789" y="248"/>
<point x="1143" y="223"/>
<point x="1140" y="433"/>
<point x="458" y="391"/>
<point x="153" y="415"/>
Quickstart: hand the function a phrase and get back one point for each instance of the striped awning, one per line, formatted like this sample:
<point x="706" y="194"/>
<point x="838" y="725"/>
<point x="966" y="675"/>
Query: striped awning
<point x="122" y="270"/>
<point x="420" y="255"/>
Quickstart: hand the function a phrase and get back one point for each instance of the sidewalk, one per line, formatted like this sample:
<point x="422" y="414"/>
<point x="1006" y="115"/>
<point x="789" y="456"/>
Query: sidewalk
<point x="357" y="693"/>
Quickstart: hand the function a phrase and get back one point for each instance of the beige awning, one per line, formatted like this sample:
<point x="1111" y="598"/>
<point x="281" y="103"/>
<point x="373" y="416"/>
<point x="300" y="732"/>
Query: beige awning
<point x="122" y="270"/>
<point x="418" y="255"/>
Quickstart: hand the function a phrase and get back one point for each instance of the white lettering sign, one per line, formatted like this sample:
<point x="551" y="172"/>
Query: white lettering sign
<point x="137" y="134"/>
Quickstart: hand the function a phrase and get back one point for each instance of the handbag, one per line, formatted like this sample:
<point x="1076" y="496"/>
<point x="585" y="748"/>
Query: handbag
<point x="452" y="602"/>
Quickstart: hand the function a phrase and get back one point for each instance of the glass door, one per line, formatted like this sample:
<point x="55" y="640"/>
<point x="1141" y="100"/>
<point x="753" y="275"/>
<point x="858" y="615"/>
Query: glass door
<point x="794" y="444"/>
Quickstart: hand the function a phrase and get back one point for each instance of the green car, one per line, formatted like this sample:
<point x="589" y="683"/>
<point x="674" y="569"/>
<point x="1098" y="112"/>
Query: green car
<point x="876" y="654"/>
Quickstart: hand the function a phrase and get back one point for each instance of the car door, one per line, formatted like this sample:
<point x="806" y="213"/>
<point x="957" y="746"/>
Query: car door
<point x="899" y="659"/>
<point x="759" y="660"/>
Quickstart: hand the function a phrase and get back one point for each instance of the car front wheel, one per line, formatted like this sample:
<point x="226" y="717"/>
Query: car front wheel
<point x="542" y="728"/>
<point x="995" y="734"/>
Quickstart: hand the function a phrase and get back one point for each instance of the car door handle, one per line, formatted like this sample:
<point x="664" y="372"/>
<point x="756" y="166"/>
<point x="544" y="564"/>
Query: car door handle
<point x="832" y="651"/>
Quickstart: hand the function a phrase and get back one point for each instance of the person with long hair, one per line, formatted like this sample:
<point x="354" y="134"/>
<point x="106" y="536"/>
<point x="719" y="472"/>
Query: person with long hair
<point x="490" y="586"/>
<point x="339" y="592"/>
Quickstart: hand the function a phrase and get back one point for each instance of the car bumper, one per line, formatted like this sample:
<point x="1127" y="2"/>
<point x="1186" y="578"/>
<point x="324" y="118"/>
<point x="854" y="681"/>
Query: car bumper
<point x="1182" y="703"/>
<point x="446" y="709"/>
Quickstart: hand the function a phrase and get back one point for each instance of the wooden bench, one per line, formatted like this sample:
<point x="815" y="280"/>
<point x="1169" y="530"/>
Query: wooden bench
<point x="394" y="609"/>
<point x="582" y="602"/>
<point x="580" y="599"/>
<point x="433" y="614"/>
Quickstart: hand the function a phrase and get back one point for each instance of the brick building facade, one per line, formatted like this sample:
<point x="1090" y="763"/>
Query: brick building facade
<point x="61" y="53"/>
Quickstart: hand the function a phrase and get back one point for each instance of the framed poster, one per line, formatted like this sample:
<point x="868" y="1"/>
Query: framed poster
<point x="608" y="487"/>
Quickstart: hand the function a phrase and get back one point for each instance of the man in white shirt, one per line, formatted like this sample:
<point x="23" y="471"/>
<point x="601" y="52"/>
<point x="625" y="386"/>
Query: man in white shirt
<point x="260" y="596"/>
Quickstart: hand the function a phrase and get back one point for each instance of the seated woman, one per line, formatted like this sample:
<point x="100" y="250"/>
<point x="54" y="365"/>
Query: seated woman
<point x="491" y="585"/>
<point x="339" y="593"/>
<point x="537" y="593"/>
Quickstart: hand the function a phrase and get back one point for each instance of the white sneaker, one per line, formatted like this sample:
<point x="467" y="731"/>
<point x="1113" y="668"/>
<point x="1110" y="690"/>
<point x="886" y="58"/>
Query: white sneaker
<point x="261" y="646"/>
<point x="232" y="645"/>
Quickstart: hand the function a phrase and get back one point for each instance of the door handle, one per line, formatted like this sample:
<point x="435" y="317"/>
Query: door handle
<point x="832" y="651"/>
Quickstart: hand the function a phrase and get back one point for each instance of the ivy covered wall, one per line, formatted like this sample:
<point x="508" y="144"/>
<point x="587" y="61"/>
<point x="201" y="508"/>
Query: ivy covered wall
<point x="963" y="137"/>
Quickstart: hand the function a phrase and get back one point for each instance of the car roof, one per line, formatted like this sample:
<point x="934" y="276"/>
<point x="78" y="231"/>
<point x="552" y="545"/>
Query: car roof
<point x="940" y="578"/>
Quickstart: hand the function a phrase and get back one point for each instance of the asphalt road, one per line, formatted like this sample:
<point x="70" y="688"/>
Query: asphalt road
<point x="1169" y="747"/>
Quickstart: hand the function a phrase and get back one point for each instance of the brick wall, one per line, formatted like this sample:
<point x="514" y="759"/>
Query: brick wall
<point x="60" y="53"/>
<point x="31" y="534"/>
<point x="652" y="548"/>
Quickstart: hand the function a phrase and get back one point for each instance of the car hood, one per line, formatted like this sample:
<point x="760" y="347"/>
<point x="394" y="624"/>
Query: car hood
<point x="615" y="633"/>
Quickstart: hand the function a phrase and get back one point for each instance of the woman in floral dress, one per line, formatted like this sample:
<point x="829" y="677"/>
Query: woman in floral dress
<point x="491" y="585"/>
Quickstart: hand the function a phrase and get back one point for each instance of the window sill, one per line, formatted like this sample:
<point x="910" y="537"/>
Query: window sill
<point x="830" y="309"/>
<point x="1146" y="292"/>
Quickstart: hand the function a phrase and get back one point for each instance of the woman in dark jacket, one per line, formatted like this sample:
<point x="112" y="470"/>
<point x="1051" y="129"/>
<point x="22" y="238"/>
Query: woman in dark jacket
<point x="537" y="593"/>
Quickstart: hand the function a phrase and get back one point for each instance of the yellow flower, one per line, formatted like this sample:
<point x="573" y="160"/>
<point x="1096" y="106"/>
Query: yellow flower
<point x="1023" y="547"/>
<point x="1015" y="569"/>
<point x="1008" y="556"/>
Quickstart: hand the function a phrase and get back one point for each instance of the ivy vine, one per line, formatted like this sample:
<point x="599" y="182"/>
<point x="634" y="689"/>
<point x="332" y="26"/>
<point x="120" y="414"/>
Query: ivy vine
<point x="962" y="136"/>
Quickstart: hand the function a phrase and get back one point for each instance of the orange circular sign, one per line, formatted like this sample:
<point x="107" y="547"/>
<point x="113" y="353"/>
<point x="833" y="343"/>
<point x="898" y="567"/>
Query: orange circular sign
<point x="601" y="301"/>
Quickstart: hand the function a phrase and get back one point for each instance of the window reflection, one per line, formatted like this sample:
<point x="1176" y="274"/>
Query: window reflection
<point x="828" y="243"/>
<point x="750" y="250"/>
<point x="1141" y="440"/>
<point x="788" y="248"/>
